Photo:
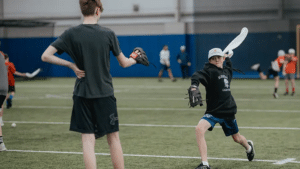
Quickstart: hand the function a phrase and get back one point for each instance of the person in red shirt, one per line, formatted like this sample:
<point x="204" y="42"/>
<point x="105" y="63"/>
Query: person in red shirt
<point x="273" y="70"/>
<point x="289" y="71"/>
<point x="11" y="71"/>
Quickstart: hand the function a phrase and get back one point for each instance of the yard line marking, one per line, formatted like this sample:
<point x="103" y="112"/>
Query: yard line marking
<point x="64" y="97"/>
<point x="158" y="109"/>
<point x="137" y="86"/>
<point x="154" y="156"/>
<point x="159" y="125"/>
<point x="288" y="160"/>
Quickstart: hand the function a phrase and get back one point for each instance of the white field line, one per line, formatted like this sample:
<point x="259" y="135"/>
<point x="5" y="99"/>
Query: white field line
<point x="159" y="109"/>
<point x="157" y="125"/>
<point x="139" y="86"/>
<point x="155" y="156"/>
<point x="64" y="97"/>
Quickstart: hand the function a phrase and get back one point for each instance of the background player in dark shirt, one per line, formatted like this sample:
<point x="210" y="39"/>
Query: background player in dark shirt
<point x="221" y="106"/>
<point x="184" y="60"/>
<point x="94" y="105"/>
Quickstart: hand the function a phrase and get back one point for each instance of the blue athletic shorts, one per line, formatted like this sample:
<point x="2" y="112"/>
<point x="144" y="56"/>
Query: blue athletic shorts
<point x="229" y="127"/>
<point x="164" y="67"/>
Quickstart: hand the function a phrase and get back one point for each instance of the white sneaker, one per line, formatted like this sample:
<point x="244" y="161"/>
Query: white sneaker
<point x="275" y="95"/>
<point x="2" y="147"/>
<point x="255" y="66"/>
<point x="2" y="123"/>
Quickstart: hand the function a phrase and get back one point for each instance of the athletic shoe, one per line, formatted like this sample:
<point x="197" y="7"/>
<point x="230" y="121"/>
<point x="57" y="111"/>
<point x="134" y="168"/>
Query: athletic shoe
<point x="286" y="93"/>
<point x="2" y="123"/>
<point x="293" y="94"/>
<point x="255" y="66"/>
<point x="8" y="103"/>
<point x="160" y="80"/>
<point x="250" y="155"/>
<point x="174" y="80"/>
<point x="275" y="95"/>
<point x="2" y="147"/>
<point x="201" y="166"/>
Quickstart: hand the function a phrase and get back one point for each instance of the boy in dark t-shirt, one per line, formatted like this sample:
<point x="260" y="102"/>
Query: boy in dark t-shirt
<point x="221" y="106"/>
<point x="94" y="105"/>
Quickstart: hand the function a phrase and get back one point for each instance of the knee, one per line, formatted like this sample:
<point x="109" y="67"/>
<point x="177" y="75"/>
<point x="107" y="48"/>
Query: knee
<point x="199" y="130"/>
<point x="112" y="137"/>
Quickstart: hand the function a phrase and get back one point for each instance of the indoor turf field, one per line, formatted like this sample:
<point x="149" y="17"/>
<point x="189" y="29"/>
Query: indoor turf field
<point x="157" y="127"/>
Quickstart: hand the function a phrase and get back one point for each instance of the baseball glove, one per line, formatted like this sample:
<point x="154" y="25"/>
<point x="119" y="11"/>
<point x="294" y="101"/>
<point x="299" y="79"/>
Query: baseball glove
<point x="194" y="96"/>
<point x="140" y="56"/>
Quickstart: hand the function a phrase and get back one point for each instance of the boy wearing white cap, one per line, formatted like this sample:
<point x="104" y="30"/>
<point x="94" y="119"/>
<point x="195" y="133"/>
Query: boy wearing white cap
<point x="221" y="106"/>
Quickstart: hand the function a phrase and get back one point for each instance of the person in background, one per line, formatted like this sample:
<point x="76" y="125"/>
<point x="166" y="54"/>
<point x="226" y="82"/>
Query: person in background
<point x="289" y="71"/>
<point x="274" y="69"/>
<point x="3" y="92"/>
<point x="165" y="63"/>
<point x="11" y="71"/>
<point x="184" y="60"/>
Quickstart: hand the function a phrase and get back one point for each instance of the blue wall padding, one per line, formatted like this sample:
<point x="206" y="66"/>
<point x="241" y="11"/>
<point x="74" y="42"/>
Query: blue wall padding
<point x="261" y="48"/>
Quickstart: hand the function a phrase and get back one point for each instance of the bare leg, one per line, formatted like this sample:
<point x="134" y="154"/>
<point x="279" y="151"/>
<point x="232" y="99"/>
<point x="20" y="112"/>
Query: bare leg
<point x="238" y="138"/>
<point x="116" y="152"/>
<point x="170" y="74"/>
<point x="287" y="85"/>
<point x="1" y="111"/>
<point x="276" y="84"/>
<point x="160" y="74"/>
<point x="201" y="128"/>
<point x="293" y="83"/>
<point x="88" y="146"/>
<point x="262" y="76"/>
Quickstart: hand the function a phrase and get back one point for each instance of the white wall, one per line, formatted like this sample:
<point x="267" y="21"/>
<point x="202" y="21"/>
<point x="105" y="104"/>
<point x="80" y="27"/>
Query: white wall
<point x="40" y="8"/>
<point x="159" y="16"/>
<point x="233" y="5"/>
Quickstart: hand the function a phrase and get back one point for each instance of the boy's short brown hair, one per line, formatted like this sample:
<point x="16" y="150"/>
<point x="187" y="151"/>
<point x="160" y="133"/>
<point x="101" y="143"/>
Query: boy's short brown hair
<point x="88" y="6"/>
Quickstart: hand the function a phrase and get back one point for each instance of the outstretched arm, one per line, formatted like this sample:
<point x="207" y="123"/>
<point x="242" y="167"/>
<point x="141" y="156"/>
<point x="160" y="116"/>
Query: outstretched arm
<point x="48" y="56"/>
<point x="20" y="74"/>
<point x="124" y="61"/>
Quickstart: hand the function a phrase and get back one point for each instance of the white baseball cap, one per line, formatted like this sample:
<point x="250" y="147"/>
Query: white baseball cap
<point x="182" y="47"/>
<point x="291" y="51"/>
<point x="281" y="53"/>
<point x="215" y="52"/>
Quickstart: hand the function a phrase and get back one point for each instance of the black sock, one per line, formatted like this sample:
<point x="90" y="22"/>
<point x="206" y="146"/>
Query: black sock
<point x="1" y="139"/>
<point x="275" y="90"/>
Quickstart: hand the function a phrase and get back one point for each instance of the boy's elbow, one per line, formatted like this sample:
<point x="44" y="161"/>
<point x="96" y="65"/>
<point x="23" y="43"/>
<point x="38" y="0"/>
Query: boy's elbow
<point x="44" y="58"/>
<point x="122" y="65"/>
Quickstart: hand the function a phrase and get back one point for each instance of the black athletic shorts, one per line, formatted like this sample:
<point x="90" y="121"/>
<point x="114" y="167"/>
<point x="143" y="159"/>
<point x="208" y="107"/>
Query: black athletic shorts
<point x="2" y="98"/>
<point x="272" y="72"/>
<point x="11" y="89"/>
<point x="98" y="116"/>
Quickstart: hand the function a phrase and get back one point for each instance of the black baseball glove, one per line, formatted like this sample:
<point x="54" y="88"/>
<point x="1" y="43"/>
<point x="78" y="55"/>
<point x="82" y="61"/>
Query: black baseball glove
<point x="194" y="96"/>
<point x="140" y="56"/>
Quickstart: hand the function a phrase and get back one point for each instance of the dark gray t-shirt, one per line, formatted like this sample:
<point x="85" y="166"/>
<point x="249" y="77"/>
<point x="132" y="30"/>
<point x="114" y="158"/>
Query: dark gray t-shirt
<point x="3" y="77"/>
<point x="89" y="46"/>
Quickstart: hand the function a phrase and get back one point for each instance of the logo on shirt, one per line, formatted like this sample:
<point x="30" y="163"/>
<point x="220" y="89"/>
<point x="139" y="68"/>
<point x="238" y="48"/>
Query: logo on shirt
<point x="226" y="82"/>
